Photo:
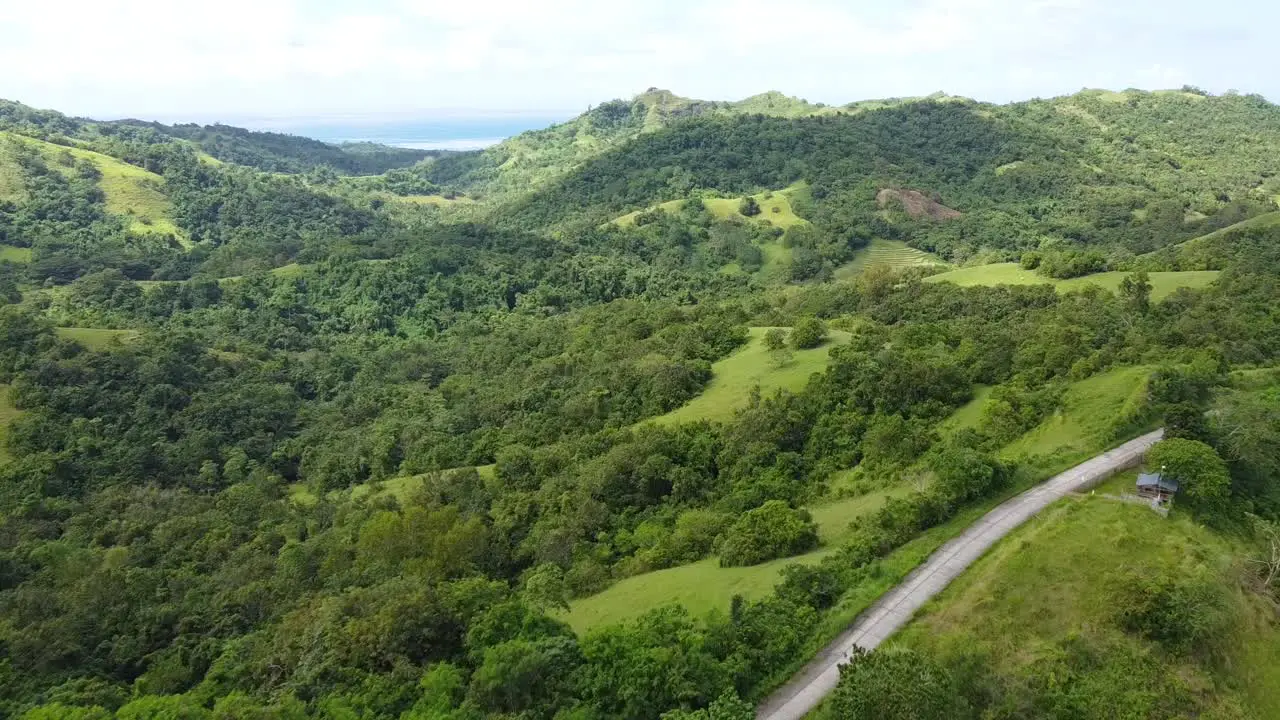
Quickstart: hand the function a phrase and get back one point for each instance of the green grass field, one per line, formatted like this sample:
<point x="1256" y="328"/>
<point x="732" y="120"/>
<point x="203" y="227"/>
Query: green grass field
<point x="704" y="586"/>
<point x="775" y="209"/>
<point x="968" y="415"/>
<point x="1089" y="408"/>
<point x="7" y="413"/>
<point x="1162" y="283"/>
<point x="96" y="338"/>
<point x="15" y="254"/>
<point x="894" y="253"/>
<point x="1053" y="579"/>
<point x="734" y="377"/>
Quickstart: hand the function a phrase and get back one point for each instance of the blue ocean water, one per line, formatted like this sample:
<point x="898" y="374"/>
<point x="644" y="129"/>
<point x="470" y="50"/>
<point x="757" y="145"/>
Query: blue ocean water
<point x="453" y="133"/>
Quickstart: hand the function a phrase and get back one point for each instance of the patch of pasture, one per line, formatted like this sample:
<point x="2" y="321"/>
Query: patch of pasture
<point x="753" y="365"/>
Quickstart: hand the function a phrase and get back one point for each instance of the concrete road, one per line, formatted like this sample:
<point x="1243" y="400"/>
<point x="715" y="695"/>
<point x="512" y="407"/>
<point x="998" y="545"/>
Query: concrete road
<point x="803" y="692"/>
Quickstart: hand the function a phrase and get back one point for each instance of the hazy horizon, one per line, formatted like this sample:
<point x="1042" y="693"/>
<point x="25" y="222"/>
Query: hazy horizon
<point x="292" y="59"/>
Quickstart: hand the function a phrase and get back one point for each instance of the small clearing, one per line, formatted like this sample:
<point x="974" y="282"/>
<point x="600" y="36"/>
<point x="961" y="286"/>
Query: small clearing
<point x="7" y="413"/>
<point x="15" y="254"/>
<point x="96" y="338"/>
<point x="775" y="209"/>
<point x="751" y="366"/>
<point x="1163" y="284"/>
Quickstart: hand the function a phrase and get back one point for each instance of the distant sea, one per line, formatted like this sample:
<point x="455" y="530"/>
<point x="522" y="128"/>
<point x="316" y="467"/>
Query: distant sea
<point x="453" y="133"/>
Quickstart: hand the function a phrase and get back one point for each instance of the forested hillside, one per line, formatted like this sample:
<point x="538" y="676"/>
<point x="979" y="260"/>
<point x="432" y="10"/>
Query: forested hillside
<point x="290" y="444"/>
<point x="267" y="151"/>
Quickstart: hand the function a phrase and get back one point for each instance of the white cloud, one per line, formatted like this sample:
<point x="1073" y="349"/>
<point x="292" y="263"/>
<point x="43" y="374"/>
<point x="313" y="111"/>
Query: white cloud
<point x="295" y="57"/>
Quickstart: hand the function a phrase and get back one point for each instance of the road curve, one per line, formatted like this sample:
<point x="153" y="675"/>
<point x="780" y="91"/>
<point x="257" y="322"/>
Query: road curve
<point x="803" y="692"/>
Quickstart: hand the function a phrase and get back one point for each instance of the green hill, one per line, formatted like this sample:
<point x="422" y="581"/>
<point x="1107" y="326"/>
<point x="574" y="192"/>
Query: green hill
<point x="1038" y="619"/>
<point x="538" y="157"/>
<point x="128" y="190"/>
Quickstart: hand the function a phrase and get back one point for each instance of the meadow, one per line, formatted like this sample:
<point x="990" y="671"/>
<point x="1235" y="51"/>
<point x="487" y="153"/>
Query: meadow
<point x="1162" y="283"/>
<point x="751" y="366"/>
<point x="15" y="254"/>
<point x="96" y="338"/>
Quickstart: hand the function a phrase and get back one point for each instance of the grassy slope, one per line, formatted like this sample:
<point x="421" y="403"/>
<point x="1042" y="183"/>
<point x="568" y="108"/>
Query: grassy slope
<point x="775" y="209"/>
<point x="7" y="413"/>
<point x="1264" y="220"/>
<point x="968" y="415"/>
<point x="1051" y="579"/>
<point x="1082" y="426"/>
<point x="894" y="253"/>
<point x="1162" y="283"/>
<point x="704" y="586"/>
<point x="15" y="254"/>
<point x="95" y="338"/>
<point x="735" y="376"/>
<point x="128" y="190"/>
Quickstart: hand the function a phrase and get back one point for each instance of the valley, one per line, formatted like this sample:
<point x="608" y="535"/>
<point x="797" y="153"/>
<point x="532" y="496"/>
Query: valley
<point x="631" y="416"/>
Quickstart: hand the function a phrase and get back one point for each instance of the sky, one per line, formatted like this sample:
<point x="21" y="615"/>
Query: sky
<point x="349" y="61"/>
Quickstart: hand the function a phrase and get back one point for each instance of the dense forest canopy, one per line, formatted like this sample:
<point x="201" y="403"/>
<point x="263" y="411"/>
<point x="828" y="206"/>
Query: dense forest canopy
<point x="285" y="443"/>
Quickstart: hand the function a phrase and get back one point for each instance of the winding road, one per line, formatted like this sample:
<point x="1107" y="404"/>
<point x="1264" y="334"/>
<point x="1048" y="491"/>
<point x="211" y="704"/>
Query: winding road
<point x="802" y="693"/>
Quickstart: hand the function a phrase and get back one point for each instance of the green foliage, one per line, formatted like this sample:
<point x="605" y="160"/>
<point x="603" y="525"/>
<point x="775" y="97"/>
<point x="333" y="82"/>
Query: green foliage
<point x="808" y="333"/>
<point x="1203" y="482"/>
<point x="749" y="207"/>
<point x="770" y="531"/>
<point x="1182" y="613"/>
<point x="894" y="684"/>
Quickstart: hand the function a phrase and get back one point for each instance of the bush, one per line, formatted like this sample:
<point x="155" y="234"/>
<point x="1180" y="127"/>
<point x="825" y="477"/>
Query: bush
<point x="1204" y="484"/>
<point x="1181" y="613"/>
<point x="749" y="206"/>
<point x="895" y="684"/>
<point x="770" y="531"/>
<point x="808" y="333"/>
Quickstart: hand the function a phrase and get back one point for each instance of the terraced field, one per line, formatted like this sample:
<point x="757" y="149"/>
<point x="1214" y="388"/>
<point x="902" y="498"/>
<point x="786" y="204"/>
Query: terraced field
<point x="893" y="253"/>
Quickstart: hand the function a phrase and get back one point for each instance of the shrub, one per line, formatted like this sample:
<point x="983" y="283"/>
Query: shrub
<point x="808" y="333"/>
<point x="1182" y="613"/>
<point x="895" y="684"/>
<point x="749" y="206"/>
<point x="770" y="531"/>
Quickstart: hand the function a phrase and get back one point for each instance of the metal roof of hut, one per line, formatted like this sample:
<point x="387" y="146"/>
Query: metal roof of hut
<point x="1158" y="481"/>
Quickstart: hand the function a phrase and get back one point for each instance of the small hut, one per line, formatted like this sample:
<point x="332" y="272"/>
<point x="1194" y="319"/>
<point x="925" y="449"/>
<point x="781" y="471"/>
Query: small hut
<point x="1157" y="486"/>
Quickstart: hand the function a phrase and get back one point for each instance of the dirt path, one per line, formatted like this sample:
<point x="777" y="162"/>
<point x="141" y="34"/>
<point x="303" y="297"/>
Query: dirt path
<point x="803" y="692"/>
